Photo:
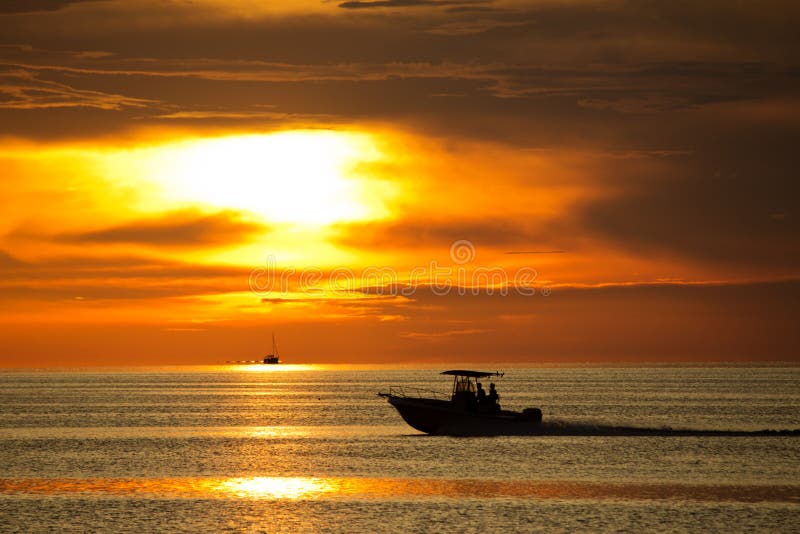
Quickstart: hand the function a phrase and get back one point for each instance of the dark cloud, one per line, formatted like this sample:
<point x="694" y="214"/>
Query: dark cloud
<point x="111" y="277"/>
<point x="24" y="90"/>
<point x="112" y="267"/>
<point x="8" y="261"/>
<point x="692" y="104"/>
<point x="178" y="229"/>
<point x="622" y="322"/>
<point x="723" y="201"/>
<point x="545" y="73"/>
<point x="616" y="322"/>
<point x="581" y="33"/>
<point x="95" y="291"/>
<point x="358" y="4"/>
<point x="609" y="322"/>
<point x="617" y="77"/>
<point x="472" y="9"/>
<point x="32" y="6"/>
<point x="716" y="204"/>
<point x="354" y="299"/>
<point x="417" y="232"/>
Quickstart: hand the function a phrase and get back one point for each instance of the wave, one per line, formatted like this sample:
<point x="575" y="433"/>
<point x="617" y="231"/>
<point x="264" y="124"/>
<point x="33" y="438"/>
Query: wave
<point x="571" y="428"/>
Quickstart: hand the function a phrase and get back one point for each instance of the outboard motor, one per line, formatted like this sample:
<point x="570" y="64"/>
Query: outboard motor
<point x="533" y="414"/>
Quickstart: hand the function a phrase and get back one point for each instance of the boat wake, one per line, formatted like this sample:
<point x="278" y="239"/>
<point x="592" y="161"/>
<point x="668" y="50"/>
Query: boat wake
<point x="571" y="428"/>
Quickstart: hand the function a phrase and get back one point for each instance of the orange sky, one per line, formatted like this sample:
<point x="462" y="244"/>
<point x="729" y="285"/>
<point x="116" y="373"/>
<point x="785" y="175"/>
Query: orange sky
<point x="182" y="179"/>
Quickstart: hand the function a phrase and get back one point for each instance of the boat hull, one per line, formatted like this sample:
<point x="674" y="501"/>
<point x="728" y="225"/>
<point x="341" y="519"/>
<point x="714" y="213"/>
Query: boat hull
<point x="439" y="417"/>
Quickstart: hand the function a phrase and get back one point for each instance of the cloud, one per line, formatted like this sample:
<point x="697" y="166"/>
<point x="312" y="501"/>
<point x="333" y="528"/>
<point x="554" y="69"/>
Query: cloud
<point x="445" y="334"/>
<point x="33" y="6"/>
<point x="715" y="205"/>
<point x="25" y="90"/>
<point x="670" y="321"/>
<point x="608" y="322"/>
<point x="8" y="261"/>
<point x="691" y="105"/>
<point x="359" y="4"/>
<point x="182" y="229"/>
<point x="419" y="232"/>
<point x="350" y="300"/>
<point x="541" y="74"/>
<point x="112" y="277"/>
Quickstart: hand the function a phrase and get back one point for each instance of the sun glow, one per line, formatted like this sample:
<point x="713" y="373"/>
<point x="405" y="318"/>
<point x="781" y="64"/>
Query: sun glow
<point x="301" y="177"/>
<point x="265" y="368"/>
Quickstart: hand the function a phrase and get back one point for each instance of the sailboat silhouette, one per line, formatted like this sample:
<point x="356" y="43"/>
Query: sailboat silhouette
<point x="273" y="358"/>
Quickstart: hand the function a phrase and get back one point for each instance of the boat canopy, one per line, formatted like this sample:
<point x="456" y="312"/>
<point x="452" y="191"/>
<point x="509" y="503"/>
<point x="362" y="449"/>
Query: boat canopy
<point x="471" y="374"/>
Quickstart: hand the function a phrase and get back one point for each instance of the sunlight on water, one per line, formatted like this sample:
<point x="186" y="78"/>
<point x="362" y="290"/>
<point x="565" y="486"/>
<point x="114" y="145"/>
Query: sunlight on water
<point x="267" y="368"/>
<point x="290" y="448"/>
<point x="313" y="488"/>
<point x="274" y="432"/>
<point x="274" y="487"/>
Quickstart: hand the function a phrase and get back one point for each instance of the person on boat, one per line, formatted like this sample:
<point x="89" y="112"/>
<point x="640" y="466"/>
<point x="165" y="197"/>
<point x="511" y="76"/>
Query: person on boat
<point x="481" y="394"/>
<point x="494" y="399"/>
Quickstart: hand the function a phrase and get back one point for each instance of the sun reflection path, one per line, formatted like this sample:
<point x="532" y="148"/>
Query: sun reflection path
<point x="310" y="488"/>
<point x="266" y="368"/>
<point x="275" y="487"/>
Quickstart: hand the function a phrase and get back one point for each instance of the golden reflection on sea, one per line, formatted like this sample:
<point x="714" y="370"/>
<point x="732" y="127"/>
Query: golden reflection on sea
<point x="268" y="368"/>
<point x="251" y="488"/>
<point x="312" y="488"/>
<point x="274" y="487"/>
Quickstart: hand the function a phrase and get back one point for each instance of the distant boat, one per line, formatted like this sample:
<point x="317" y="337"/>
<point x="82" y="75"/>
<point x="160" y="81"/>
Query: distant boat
<point x="273" y="358"/>
<point x="461" y="413"/>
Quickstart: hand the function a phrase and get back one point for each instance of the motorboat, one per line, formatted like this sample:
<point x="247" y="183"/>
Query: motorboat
<point x="465" y="412"/>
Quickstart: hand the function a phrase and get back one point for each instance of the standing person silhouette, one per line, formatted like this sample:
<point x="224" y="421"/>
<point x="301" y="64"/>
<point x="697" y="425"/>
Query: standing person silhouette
<point x="494" y="399"/>
<point x="481" y="397"/>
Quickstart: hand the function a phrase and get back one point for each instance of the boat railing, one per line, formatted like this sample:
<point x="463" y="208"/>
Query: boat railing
<point x="417" y="393"/>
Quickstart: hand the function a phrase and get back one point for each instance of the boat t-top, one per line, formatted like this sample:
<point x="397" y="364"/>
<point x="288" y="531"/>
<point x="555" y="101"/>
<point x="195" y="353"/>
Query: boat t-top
<point x="468" y="411"/>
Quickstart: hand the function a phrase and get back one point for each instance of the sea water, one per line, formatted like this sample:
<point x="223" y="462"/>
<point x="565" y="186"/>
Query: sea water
<point x="314" y="449"/>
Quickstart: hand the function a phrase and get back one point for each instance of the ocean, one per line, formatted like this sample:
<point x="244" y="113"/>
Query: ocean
<point x="314" y="449"/>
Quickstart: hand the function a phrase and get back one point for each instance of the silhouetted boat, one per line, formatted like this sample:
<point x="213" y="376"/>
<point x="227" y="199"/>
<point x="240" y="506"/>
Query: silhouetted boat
<point x="461" y="414"/>
<point x="273" y="358"/>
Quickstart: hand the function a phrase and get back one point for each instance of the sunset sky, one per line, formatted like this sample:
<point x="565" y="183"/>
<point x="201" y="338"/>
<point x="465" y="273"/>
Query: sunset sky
<point x="398" y="181"/>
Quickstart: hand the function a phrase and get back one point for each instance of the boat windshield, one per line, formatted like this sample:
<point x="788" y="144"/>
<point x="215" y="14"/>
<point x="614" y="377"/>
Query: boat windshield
<point x="465" y="384"/>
